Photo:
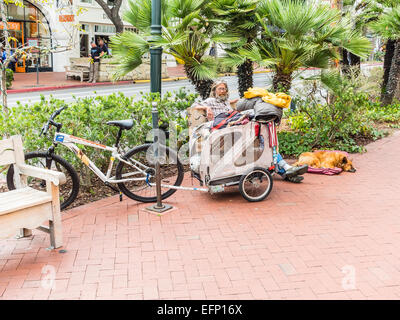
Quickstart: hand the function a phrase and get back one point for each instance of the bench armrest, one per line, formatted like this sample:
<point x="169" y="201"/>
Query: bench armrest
<point x="55" y="177"/>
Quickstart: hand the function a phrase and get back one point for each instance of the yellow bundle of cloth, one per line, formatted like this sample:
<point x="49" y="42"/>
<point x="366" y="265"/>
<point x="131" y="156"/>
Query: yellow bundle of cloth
<point x="280" y="99"/>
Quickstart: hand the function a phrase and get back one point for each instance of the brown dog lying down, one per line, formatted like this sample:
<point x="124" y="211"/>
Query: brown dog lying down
<point x="325" y="159"/>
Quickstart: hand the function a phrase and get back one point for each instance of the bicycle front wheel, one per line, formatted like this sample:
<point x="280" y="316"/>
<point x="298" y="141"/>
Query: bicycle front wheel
<point x="68" y="191"/>
<point x="142" y="157"/>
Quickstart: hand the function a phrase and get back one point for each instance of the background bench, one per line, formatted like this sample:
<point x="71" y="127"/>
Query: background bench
<point x="77" y="71"/>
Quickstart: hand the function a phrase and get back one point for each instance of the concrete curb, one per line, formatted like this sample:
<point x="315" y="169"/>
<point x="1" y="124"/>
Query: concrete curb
<point x="82" y="85"/>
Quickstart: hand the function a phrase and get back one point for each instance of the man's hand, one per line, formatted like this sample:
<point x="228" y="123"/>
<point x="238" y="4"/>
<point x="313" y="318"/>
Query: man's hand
<point x="210" y="114"/>
<point x="233" y="101"/>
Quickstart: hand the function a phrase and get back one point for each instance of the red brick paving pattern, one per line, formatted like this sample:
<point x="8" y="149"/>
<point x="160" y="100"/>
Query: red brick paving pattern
<point x="297" y="244"/>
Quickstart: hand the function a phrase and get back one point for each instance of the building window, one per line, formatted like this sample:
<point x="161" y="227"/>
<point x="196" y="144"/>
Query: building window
<point x="15" y="12"/>
<point x="132" y="29"/>
<point x="84" y="27"/>
<point x="86" y="1"/>
<point x="29" y="27"/>
<point x="104" y="29"/>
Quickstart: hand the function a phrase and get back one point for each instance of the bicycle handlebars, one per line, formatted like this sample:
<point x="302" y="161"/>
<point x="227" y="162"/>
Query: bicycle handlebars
<point x="46" y="126"/>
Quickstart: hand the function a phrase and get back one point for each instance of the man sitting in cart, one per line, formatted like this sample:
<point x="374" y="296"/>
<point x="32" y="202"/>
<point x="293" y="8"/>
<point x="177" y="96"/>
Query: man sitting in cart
<point x="219" y="102"/>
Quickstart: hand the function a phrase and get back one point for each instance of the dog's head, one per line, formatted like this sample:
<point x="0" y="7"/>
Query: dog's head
<point x="347" y="165"/>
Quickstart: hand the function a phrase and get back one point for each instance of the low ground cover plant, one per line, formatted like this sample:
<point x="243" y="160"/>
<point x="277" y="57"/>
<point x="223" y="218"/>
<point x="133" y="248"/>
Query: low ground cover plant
<point x="345" y="117"/>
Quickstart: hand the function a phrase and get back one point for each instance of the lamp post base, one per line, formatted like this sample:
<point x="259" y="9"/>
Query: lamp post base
<point x="161" y="209"/>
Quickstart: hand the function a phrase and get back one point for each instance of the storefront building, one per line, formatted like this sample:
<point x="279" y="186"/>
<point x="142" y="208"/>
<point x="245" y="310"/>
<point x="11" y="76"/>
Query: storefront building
<point x="56" y="23"/>
<point x="28" y="25"/>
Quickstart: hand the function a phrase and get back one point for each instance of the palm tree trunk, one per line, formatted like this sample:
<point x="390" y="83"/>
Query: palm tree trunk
<point x="245" y="76"/>
<point x="3" y="86"/>
<point x="344" y="61"/>
<point x="394" y="76"/>
<point x="387" y="63"/>
<point x="282" y="82"/>
<point x="355" y="63"/>
<point x="203" y="87"/>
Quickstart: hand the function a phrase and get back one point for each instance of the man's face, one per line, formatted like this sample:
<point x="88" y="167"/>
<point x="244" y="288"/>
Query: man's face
<point x="221" y="91"/>
<point x="101" y="42"/>
<point x="93" y="44"/>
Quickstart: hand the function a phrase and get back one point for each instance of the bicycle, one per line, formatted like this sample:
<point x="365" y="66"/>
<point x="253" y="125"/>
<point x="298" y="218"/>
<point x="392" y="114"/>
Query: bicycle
<point x="134" y="173"/>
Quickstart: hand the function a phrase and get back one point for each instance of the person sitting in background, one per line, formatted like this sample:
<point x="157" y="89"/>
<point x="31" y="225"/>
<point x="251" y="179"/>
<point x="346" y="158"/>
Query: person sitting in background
<point x="219" y="102"/>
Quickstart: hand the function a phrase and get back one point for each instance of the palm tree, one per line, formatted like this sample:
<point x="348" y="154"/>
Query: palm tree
<point x="238" y="16"/>
<point x="187" y="34"/>
<point x="301" y="34"/>
<point x="363" y="13"/>
<point x="388" y="26"/>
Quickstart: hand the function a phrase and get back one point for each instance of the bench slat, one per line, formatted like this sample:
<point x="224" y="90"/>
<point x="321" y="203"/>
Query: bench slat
<point x="22" y="198"/>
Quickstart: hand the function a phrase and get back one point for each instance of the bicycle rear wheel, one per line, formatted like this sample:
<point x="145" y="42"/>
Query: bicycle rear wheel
<point x="170" y="167"/>
<point x="68" y="191"/>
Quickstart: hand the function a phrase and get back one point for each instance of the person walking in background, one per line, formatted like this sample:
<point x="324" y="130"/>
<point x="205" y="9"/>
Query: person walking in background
<point x="94" y="62"/>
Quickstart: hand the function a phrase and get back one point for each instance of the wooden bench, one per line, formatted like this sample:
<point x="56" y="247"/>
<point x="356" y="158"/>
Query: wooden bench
<point x="25" y="208"/>
<point x="80" y="73"/>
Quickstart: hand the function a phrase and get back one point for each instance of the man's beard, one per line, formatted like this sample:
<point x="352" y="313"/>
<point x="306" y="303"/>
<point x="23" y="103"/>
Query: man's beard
<point x="223" y="97"/>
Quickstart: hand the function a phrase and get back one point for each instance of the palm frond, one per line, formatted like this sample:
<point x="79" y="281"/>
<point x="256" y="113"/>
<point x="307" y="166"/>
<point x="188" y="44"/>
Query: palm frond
<point x="205" y="69"/>
<point x="357" y="45"/>
<point x="252" y="53"/>
<point x="128" y="49"/>
<point x="388" y="25"/>
<point x="138" y="14"/>
<point x="226" y="37"/>
<point x="233" y="60"/>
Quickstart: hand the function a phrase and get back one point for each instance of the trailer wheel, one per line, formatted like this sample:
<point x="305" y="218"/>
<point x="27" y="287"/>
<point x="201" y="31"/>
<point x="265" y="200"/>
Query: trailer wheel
<point x="256" y="184"/>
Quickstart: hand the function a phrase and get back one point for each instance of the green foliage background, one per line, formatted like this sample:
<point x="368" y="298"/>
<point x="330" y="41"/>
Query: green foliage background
<point x="87" y="118"/>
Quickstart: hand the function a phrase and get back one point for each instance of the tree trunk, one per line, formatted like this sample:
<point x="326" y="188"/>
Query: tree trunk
<point x="3" y="65"/>
<point x="203" y="87"/>
<point x="394" y="76"/>
<point x="387" y="63"/>
<point x="119" y="25"/>
<point x="355" y="63"/>
<point x="113" y="14"/>
<point x="282" y="82"/>
<point x="245" y="76"/>
<point x="397" y="92"/>
<point x="4" y="90"/>
<point x="344" y="61"/>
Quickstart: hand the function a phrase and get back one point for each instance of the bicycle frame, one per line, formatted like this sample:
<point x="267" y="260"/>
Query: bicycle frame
<point x="70" y="141"/>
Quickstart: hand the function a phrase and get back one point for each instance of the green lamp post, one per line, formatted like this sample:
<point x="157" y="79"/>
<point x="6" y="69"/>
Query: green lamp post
<point x="155" y="53"/>
<point x="155" y="86"/>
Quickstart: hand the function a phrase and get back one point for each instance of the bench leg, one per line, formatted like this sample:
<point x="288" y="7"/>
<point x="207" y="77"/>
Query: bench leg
<point x="55" y="225"/>
<point x="55" y="234"/>
<point x="23" y="232"/>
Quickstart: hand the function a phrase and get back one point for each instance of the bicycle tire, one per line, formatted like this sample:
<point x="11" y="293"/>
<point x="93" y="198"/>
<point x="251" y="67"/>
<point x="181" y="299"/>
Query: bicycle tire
<point x="126" y="186"/>
<point x="69" y="171"/>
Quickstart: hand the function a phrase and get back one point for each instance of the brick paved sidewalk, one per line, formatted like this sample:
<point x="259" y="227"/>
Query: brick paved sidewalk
<point x="328" y="238"/>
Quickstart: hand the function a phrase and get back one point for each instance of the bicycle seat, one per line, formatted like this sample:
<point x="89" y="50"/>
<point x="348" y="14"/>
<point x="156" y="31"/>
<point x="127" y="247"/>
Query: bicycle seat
<point x="123" y="124"/>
